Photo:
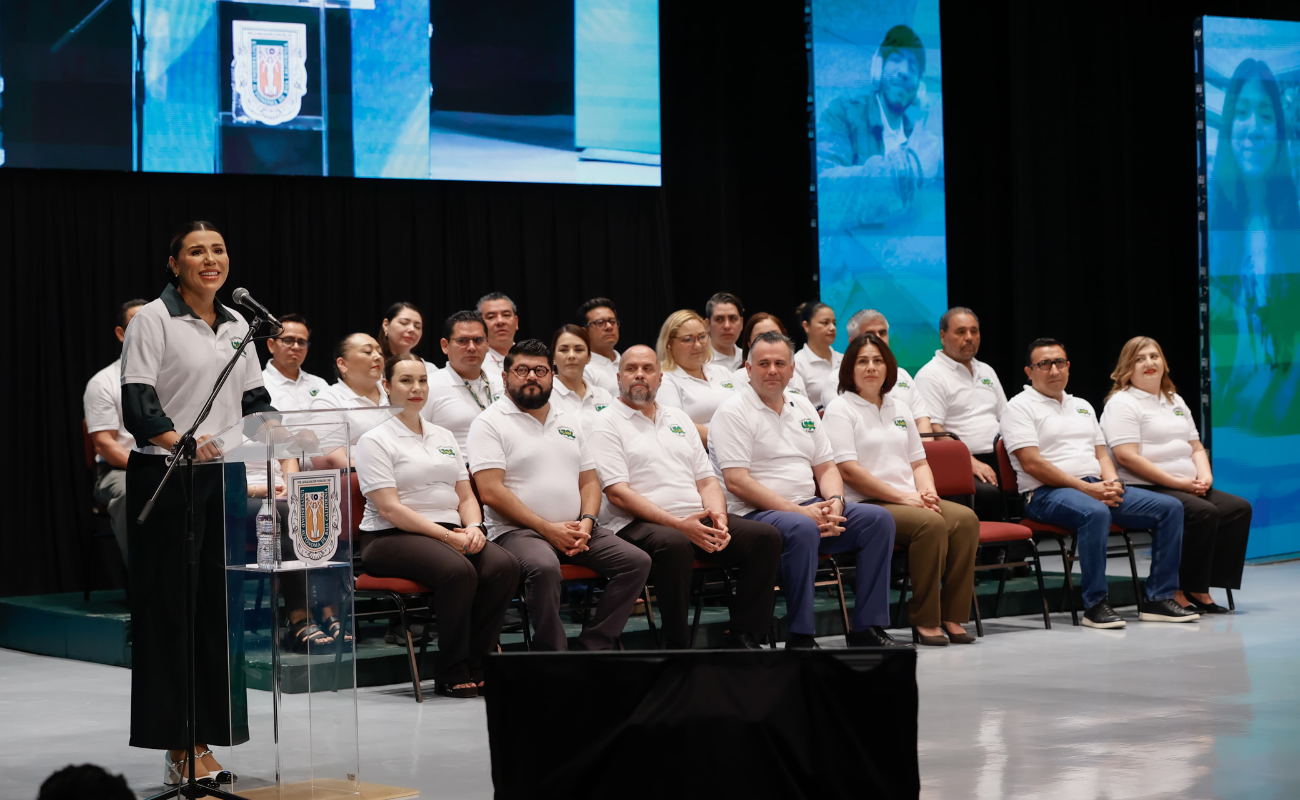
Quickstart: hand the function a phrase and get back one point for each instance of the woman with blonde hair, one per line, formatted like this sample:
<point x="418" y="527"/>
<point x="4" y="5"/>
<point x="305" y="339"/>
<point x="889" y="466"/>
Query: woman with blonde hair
<point x="691" y="382"/>
<point x="1156" y="446"/>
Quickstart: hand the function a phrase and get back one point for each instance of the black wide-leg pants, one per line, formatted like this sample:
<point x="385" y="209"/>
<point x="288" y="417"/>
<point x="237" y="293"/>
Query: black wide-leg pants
<point x="158" y="625"/>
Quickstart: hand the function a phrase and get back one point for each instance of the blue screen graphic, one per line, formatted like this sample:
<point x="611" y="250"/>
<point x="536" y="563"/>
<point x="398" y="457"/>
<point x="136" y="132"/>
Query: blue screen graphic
<point x="513" y="90"/>
<point x="1252" y="146"/>
<point x="878" y="101"/>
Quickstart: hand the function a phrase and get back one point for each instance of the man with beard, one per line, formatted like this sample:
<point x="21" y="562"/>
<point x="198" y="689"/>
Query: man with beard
<point x="875" y="150"/>
<point x="538" y="481"/>
<point x="664" y="498"/>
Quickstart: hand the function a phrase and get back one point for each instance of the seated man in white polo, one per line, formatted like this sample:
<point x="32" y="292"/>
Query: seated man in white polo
<point x="1067" y="479"/>
<point x="664" y="498"/>
<point x="778" y="467"/>
<point x="963" y="395"/>
<point x="538" y="481"/>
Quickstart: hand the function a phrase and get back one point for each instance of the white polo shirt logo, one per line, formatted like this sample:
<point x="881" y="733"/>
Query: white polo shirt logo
<point x="677" y="429"/>
<point x="315" y="392"/>
<point x="899" y="422"/>
<point x="1084" y="412"/>
<point x="602" y="406"/>
<point x="1178" y="412"/>
<point x="987" y="382"/>
<point x="903" y="385"/>
<point x="565" y="432"/>
<point x="808" y="425"/>
<point x="447" y="451"/>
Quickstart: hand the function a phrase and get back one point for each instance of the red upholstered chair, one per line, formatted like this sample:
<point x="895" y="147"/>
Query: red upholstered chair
<point x="413" y="601"/>
<point x="1007" y="481"/>
<point x="949" y="460"/>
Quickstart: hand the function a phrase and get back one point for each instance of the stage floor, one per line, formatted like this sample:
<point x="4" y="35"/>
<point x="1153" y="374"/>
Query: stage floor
<point x="1201" y="710"/>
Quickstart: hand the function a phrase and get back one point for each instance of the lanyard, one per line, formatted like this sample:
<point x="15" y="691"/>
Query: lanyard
<point x="486" y="386"/>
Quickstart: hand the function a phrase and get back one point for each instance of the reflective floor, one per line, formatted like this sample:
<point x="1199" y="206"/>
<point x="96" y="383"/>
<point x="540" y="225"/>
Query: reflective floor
<point x="1196" y="711"/>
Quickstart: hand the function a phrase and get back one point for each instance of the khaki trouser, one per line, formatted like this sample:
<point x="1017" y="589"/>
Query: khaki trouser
<point x="940" y="551"/>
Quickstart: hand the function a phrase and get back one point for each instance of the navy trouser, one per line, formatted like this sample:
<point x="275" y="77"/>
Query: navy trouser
<point x="868" y="532"/>
<point x="1091" y="519"/>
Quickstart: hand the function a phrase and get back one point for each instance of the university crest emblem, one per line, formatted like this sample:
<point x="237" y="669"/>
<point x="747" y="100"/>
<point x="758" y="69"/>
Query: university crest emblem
<point x="565" y="432"/>
<point x="899" y="422"/>
<point x="270" y="75"/>
<point x="677" y="429"/>
<point x="447" y="451"/>
<point x="314" y="515"/>
<point x="808" y="425"/>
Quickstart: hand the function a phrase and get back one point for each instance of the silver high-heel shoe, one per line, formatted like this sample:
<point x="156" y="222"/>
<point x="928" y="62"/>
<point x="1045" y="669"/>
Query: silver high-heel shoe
<point x="175" y="772"/>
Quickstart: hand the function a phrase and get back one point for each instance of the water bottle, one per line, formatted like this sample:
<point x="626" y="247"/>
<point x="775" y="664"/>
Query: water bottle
<point x="267" y="543"/>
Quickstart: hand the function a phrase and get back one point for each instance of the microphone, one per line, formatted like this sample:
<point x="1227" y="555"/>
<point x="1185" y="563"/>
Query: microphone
<point x="243" y="298"/>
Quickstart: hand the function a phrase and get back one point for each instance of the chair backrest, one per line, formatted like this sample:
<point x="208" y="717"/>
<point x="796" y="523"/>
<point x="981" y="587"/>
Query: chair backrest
<point x="949" y="460"/>
<point x="358" y="505"/>
<point x="1006" y="472"/>
<point x="89" y="445"/>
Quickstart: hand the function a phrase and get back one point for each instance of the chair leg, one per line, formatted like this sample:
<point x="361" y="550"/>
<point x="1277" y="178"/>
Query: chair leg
<point x="1133" y="568"/>
<point x="1069" y="581"/>
<point x="650" y="618"/>
<point x="1042" y="594"/>
<point x="1231" y="605"/>
<point x="839" y="586"/>
<point x="1002" y="585"/>
<point x="524" y="624"/>
<point x="975" y="603"/>
<point x="902" y="601"/>
<point x="410" y="648"/>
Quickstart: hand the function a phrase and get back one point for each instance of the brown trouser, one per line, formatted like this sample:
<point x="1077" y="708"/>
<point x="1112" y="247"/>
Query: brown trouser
<point x="940" y="550"/>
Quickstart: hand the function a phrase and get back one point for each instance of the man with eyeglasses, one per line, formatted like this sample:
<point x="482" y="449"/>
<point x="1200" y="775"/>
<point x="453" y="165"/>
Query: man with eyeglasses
<point x="1066" y="477"/>
<point x="538" y="482"/>
<point x="291" y="387"/>
<point x="462" y="390"/>
<point x="600" y="318"/>
<point x="501" y="317"/>
<point x="725" y="316"/>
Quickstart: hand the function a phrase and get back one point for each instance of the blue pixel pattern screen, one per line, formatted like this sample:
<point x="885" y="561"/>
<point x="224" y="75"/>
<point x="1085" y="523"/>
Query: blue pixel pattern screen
<point x="878" y="104"/>
<point x="512" y="90"/>
<point x="1252" y="146"/>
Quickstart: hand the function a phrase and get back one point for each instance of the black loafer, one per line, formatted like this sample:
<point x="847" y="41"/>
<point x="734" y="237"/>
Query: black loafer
<point x="740" y="641"/>
<point x="1205" y="608"/>
<point x="801" y="641"/>
<point x="875" y="636"/>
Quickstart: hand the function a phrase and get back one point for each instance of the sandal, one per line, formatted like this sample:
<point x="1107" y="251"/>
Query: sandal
<point x="219" y="775"/>
<point x="335" y="627"/>
<point x="304" y="634"/>
<point x="462" y="690"/>
<point x="178" y="772"/>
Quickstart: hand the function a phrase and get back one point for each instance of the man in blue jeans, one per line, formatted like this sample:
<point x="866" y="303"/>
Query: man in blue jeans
<point x="1068" y="479"/>
<point x="774" y="459"/>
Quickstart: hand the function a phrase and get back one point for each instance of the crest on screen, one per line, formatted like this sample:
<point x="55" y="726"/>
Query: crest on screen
<point x="270" y="70"/>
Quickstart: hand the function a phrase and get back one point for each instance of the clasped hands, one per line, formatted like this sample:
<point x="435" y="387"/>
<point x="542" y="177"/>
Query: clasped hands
<point x="1109" y="492"/>
<point x="710" y="539"/>
<point x="828" y="516"/>
<point x="569" y="538"/>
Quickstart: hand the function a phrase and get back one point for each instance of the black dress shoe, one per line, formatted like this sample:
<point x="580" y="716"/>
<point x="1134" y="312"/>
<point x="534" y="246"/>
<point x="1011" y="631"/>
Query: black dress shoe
<point x="875" y="636"/>
<point x="740" y="641"/>
<point x="1205" y="608"/>
<point x="801" y="641"/>
<point x="960" y="638"/>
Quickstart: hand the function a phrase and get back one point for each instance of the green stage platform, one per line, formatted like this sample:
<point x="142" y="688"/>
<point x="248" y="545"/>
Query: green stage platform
<point x="99" y="631"/>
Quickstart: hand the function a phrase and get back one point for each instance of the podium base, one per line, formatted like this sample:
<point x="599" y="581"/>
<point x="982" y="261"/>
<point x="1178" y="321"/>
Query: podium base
<point x="316" y="790"/>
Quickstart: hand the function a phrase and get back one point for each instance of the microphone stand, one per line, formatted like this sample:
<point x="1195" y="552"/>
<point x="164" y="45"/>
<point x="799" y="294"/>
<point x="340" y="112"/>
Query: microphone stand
<point x="186" y="448"/>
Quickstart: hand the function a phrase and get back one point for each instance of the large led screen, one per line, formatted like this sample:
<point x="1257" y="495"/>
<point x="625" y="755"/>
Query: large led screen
<point x="558" y="91"/>
<point x="1252" y="151"/>
<point x="878" y="104"/>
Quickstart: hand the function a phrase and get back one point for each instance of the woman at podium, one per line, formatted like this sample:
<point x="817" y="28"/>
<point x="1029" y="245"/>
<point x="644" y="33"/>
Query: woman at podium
<point x="174" y="350"/>
<point x="423" y="523"/>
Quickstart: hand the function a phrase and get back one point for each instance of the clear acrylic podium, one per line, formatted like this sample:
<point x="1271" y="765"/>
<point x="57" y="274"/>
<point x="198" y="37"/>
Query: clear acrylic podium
<point x="293" y="707"/>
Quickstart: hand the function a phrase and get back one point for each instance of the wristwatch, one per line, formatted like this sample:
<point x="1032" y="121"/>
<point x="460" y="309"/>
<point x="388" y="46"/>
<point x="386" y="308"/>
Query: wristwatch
<point x="843" y="503"/>
<point x="587" y="516"/>
<point x="481" y="526"/>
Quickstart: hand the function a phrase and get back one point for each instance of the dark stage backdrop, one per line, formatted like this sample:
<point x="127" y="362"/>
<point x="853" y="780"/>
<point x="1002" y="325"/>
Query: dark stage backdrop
<point x="1071" y="202"/>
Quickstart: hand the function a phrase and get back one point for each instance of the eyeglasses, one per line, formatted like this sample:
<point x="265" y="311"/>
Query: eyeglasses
<point x="292" y="341"/>
<point x="522" y="372"/>
<point x="607" y="322"/>
<point x="690" y="341"/>
<point x="1046" y="364"/>
<point x="466" y="341"/>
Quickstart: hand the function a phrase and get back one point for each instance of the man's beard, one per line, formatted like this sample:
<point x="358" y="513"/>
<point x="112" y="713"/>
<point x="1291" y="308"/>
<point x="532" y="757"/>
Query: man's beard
<point x="529" y="402"/>
<point x="639" y="394"/>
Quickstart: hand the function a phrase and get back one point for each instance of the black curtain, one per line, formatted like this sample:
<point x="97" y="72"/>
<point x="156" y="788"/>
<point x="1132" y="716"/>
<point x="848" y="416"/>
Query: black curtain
<point x="1071" y="213"/>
